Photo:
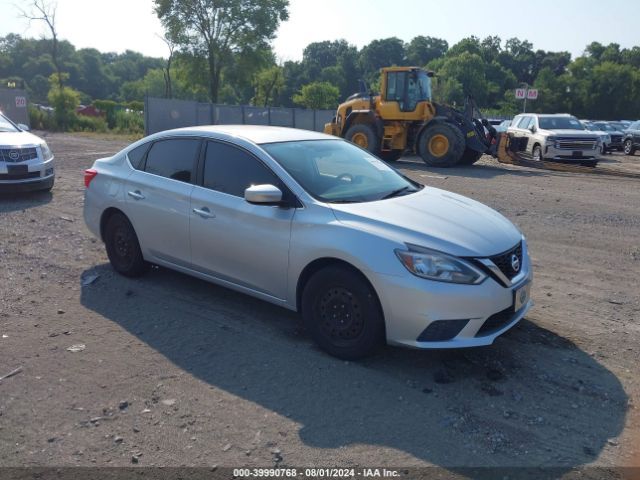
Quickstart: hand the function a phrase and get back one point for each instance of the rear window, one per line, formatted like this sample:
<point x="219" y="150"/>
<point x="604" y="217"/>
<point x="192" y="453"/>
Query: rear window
<point x="136" y="156"/>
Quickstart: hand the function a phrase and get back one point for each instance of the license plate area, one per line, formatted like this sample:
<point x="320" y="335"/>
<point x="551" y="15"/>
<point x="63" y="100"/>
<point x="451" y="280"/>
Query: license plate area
<point x="521" y="296"/>
<point x="577" y="153"/>
<point x="17" y="169"/>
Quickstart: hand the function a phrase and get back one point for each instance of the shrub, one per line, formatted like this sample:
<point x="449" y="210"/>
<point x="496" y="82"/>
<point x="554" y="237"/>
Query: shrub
<point x="129" y="122"/>
<point x="40" y="119"/>
<point x="90" y="124"/>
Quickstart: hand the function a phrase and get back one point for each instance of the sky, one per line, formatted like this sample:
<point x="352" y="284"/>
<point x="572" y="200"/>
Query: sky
<point x="552" y="25"/>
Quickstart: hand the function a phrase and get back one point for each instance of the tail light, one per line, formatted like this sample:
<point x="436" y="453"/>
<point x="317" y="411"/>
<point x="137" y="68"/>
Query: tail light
<point x="89" y="175"/>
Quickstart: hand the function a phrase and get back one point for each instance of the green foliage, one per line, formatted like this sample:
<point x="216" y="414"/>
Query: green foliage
<point x="129" y="122"/>
<point x="267" y="85"/>
<point x="219" y="28"/>
<point x="64" y="100"/>
<point x="317" y="95"/>
<point x="90" y="124"/>
<point x="40" y="119"/>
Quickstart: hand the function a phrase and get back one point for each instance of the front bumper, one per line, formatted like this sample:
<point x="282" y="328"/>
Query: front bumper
<point x="34" y="175"/>
<point x="552" y="153"/>
<point x="477" y="314"/>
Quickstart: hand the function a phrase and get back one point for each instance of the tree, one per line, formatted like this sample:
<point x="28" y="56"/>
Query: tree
<point x="268" y="83"/>
<point x="317" y="95"/>
<point x="46" y="12"/>
<point x="166" y="71"/>
<point x="64" y="100"/>
<point x="421" y="50"/>
<point x="216" y="29"/>
<point x="381" y="53"/>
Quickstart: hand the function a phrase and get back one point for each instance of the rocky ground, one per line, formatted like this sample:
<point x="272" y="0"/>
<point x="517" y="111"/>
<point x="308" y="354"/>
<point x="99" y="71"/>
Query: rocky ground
<point x="168" y="370"/>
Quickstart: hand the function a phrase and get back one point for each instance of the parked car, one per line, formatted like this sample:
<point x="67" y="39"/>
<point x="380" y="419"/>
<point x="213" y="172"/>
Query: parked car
<point x="315" y="224"/>
<point x="502" y="127"/>
<point x="615" y="135"/>
<point x="631" y="139"/>
<point x="26" y="162"/>
<point x="605" y="138"/>
<point x="558" y="137"/>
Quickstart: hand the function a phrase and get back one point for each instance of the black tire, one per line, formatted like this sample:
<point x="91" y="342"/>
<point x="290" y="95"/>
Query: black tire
<point x="452" y="151"/>
<point x="123" y="248"/>
<point x="364" y="136"/>
<point x="391" y="155"/>
<point x="469" y="157"/>
<point x="355" y="327"/>
<point x="536" y="153"/>
<point x="628" y="147"/>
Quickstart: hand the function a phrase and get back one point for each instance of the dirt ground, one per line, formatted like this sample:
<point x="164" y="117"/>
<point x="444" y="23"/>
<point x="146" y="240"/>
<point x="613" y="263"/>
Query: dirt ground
<point x="176" y="371"/>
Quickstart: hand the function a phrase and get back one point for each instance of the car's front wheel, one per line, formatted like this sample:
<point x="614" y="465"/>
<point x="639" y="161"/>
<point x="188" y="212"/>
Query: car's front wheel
<point x="123" y="248"/>
<point x="537" y="153"/>
<point x="342" y="313"/>
<point x="628" y="147"/>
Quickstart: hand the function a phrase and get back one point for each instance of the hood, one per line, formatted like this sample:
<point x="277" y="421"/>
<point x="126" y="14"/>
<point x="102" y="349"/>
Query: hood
<point x="570" y="133"/>
<point x="435" y="219"/>
<point x="18" y="139"/>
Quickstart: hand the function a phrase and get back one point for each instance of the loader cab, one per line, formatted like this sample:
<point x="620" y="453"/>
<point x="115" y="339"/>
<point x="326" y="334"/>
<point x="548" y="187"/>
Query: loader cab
<point x="406" y="86"/>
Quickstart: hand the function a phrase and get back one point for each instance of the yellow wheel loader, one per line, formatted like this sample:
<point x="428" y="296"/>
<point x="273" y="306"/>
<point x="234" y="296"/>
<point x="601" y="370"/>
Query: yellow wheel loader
<point x="403" y="117"/>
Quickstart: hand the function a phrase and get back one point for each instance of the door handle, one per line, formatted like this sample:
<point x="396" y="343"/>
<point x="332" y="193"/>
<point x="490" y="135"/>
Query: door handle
<point x="204" y="212"/>
<point x="137" y="195"/>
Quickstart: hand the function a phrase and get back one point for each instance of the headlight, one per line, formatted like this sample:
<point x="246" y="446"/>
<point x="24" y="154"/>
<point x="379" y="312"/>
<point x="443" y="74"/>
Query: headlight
<point x="47" y="154"/>
<point x="438" y="266"/>
<point x="551" y="139"/>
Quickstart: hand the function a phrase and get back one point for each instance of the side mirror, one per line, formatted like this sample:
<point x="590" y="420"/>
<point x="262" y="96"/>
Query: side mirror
<point x="24" y="127"/>
<point x="263" y="195"/>
<point x="532" y="128"/>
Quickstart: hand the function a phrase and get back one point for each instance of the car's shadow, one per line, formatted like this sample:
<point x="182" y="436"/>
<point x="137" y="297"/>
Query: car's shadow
<point x="11" y="202"/>
<point x="531" y="399"/>
<point x="415" y="165"/>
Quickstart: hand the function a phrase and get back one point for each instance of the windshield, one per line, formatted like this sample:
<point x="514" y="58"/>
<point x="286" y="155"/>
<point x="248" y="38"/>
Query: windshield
<point x="605" y="126"/>
<point x="336" y="171"/>
<point x="559" y="123"/>
<point x="7" y="125"/>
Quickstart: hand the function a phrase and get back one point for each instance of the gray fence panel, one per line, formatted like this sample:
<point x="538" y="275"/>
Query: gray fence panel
<point x="13" y="103"/>
<point x="256" y="116"/>
<point x="165" y="114"/>
<point x="304" y="119"/>
<point x="322" y="117"/>
<point x="204" y="114"/>
<point x="228" y="115"/>
<point x="282" y="117"/>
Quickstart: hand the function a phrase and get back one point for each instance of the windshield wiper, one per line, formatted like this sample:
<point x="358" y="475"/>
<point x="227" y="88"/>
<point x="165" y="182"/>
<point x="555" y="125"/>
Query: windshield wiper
<point x="395" y="193"/>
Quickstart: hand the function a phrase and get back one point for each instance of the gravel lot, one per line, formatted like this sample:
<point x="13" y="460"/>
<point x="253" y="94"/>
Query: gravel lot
<point x="180" y="372"/>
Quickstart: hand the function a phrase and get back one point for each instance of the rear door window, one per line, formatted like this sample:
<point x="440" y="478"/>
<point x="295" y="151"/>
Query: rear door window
<point x="174" y="158"/>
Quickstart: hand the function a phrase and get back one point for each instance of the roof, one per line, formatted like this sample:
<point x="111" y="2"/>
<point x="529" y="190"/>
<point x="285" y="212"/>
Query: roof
<point x="258" y="134"/>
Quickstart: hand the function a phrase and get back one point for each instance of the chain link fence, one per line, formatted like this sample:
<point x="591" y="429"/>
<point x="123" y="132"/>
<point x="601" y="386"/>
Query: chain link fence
<point x="165" y="114"/>
<point x="13" y="103"/>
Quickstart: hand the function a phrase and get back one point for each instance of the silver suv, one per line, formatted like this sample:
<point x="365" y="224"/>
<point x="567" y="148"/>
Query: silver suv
<point x="26" y="162"/>
<point x="559" y="137"/>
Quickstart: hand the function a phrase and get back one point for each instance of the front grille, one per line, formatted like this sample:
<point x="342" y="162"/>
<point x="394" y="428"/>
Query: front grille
<point x="19" y="176"/>
<point x="504" y="263"/>
<point x="616" y="138"/>
<point x="16" y="155"/>
<point x="573" y="143"/>
<point x="496" y="322"/>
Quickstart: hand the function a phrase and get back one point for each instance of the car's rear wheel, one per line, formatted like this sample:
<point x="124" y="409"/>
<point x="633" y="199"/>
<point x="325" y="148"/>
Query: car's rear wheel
<point x="123" y="248"/>
<point x="342" y="313"/>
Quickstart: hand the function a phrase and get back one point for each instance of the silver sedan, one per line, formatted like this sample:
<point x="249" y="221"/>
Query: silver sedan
<point x="314" y="224"/>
